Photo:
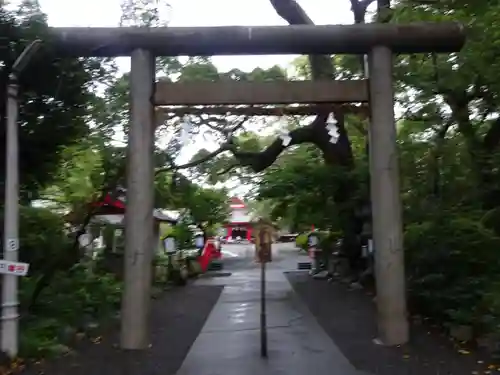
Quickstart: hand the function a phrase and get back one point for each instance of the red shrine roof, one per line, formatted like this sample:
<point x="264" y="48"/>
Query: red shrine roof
<point x="115" y="204"/>
<point x="235" y="202"/>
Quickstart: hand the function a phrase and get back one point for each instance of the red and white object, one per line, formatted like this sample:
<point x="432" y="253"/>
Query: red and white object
<point x="13" y="268"/>
<point x="209" y="253"/>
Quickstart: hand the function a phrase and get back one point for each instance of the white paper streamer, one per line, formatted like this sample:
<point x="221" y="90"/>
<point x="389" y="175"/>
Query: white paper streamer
<point x="185" y="130"/>
<point x="333" y="130"/>
<point x="284" y="134"/>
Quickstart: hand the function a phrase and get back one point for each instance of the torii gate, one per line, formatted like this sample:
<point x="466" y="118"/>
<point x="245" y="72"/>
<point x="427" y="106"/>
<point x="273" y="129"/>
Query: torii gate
<point x="378" y="41"/>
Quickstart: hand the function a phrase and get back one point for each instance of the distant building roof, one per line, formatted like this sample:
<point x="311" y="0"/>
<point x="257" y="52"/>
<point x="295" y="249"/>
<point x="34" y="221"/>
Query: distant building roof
<point x="167" y="215"/>
<point x="235" y="202"/>
<point x="118" y="218"/>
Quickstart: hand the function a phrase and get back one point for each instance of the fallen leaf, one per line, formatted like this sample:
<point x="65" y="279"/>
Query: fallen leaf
<point x="97" y="340"/>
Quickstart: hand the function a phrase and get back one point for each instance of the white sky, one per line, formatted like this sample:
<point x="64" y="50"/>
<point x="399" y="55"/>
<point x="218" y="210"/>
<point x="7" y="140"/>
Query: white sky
<point x="102" y="13"/>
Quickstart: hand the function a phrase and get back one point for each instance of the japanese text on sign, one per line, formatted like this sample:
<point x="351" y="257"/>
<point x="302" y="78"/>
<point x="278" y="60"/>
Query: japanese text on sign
<point x="13" y="268"/>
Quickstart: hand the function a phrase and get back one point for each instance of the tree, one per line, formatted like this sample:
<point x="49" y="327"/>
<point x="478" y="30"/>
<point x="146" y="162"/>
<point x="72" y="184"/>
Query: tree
<point x="300" y="186"/>
<point x="339" y="155"/>
<point x="55" y="99"/>
<point x="204" y="206"/>
<point x="461" y="90"/>
<point x="207" y="207"/>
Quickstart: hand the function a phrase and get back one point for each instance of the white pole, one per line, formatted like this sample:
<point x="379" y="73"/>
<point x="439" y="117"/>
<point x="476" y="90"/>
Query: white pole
<point x="10" y="316"/>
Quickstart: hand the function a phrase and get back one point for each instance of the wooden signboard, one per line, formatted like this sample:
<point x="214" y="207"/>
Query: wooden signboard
<point x="264" y="233"/>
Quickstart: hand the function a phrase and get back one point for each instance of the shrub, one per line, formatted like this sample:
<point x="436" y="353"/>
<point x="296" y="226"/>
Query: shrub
<point x="161" y="268"/>
<point x="42" y="236"/>
<point x="73" y="300"/>
<point x="452" y="268"/>
<point x="301" y="241"/>
<point x="327" y="240"/>
<point x="491" y="220"/>
<point x="183" y="235"/>
<point x="75" y="297"/>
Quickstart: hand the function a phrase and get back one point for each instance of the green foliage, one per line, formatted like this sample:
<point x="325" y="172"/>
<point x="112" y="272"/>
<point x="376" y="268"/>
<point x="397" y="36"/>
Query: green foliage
<point x="76" y="297"/>
<point x="452" y="266"/>
<point x="448" y="138"/>
<point x="205" y="207"/>
<point x="75" y="302"/>
<point x="183" y="235"/>
<point x="54" y="103"/>
<point x="300" y="186"/>
<point x="491" y="220"/>
<point x="208" y="206"/>
<point x="302" y="241"/>
<point x="326" y="240"/>
<point x="42" y="237"/>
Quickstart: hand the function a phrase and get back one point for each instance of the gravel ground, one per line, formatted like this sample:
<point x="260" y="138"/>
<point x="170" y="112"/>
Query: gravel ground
<point x="177" y="319"/>
<point x="348" y="317"/>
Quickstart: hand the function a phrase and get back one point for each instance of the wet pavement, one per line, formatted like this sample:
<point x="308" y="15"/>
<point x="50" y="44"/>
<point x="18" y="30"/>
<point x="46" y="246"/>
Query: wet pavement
<point x="229" y="342"/>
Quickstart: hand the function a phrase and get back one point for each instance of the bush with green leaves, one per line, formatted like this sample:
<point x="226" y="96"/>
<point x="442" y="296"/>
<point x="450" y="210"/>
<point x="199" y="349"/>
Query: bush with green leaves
<point x="326" y="241"/>
<point x="41" y="236"/>
<point x="452" y="268"/>
<point x="302" y="241"/>
<point x="182" y="233"/>
<point x="491" y="220"/>
<point x="161" y="262"/>
<point x="73" y="301"/>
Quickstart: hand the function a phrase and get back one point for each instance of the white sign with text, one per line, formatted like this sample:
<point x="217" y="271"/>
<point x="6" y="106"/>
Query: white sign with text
<point x="13" y="268"/>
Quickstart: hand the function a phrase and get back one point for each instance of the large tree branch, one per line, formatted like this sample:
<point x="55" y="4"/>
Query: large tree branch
<point x="214" y="123"/>
<point x="359" y="9"/>
<point x="435" y="156"/>
<point x="228" y="169"/>
<point x="459" y="105"/>
<point x="292" y="12"/>
<point x="227" y="131"/>
<point x="321" y="68"/>
<point x="258" y="161"/>
<point x="224" y="147"/>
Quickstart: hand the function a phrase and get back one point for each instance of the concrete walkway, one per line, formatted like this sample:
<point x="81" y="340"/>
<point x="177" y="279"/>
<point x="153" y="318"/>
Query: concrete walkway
<point x="229" y="343"/>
